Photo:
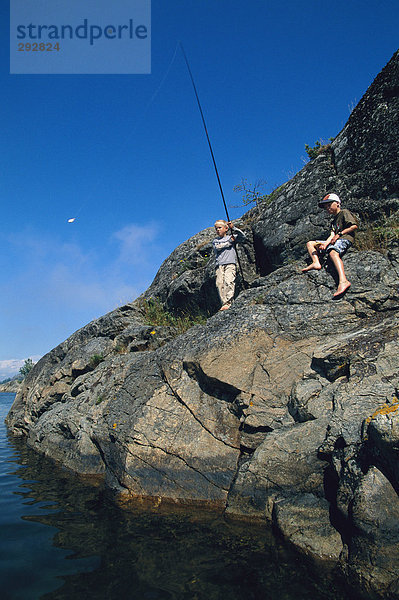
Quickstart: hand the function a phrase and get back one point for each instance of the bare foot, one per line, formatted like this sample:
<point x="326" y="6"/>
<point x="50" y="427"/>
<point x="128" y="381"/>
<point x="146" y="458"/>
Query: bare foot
<point x="316" y="266"/>
<point x="342" y="288"/>
<point x="224" y="307"/>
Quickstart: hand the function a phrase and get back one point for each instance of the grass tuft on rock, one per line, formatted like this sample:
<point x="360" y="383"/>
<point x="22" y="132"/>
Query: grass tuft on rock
<point x="378" y="236"/>
<point x="155" y="313"/>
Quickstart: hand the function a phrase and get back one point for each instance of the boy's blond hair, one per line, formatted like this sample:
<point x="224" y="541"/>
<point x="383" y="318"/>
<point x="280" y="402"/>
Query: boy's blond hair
<point x="222" y="221"/>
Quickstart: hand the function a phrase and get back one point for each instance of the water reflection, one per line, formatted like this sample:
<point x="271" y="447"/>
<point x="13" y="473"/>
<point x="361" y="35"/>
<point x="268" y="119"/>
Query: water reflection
<point x="148" y="554"/>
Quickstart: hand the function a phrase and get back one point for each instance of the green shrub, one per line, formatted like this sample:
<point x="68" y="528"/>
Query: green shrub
<point x="120" y="349"/>
<point x="319" y="148"/>
<point x="379" y="235"/>
<point x="95" y="360"/>
<point x="27" y="367"/>
<point x="155" y="313"/>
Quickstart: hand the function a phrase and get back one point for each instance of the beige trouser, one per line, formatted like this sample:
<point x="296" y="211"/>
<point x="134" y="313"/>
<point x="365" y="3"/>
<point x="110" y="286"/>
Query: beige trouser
<point x="225" y="282"/>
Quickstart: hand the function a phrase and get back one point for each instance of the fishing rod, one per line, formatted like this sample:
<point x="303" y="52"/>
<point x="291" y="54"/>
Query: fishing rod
<point x="212" y="154"/>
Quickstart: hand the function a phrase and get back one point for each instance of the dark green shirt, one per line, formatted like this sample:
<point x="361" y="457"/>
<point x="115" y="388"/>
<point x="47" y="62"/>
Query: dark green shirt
<point x="343" y="220"/>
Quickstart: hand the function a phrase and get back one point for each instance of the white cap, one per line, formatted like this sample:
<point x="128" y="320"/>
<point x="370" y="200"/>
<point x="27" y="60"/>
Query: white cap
<point x="330" y="198"/>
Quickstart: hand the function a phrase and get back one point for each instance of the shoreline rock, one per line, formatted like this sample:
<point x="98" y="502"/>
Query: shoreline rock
<point x="10" y="387"/>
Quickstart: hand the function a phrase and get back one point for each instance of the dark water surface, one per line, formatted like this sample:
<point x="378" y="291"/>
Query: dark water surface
<point x="62" y="538"/>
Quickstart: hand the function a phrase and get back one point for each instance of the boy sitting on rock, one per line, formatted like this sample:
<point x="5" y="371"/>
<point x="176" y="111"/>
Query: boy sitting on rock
<point x="226" y="259"/>
<point x="342" y="236"/>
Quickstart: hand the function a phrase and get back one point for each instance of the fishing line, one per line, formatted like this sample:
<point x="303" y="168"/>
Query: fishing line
<point x="212" y="154"/>
<point x="155" y="94"/>
<point x="140" y="119"/>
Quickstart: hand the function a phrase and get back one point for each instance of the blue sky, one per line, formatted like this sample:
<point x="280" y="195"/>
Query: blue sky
<point x="135" y="169"/>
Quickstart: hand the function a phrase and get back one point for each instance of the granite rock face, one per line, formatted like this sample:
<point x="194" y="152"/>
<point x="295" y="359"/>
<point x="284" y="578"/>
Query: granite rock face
<point x="285" y="407"/>
<point x="11" y="387"/>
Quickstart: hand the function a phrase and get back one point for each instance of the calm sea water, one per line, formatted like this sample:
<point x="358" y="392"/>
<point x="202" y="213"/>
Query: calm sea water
<point x="64" y="539"/>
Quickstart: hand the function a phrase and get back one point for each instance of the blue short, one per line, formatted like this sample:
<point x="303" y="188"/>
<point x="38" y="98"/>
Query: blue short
<point x="340" y="246"/>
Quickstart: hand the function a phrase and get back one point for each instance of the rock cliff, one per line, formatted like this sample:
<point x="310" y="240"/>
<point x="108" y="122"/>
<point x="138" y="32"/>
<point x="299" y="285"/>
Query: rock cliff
<point x="10" y="387"/>
<point x="285" y="407"/>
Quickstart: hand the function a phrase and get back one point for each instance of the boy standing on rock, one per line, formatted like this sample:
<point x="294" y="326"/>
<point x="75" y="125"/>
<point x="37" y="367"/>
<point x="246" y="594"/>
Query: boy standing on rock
<point x="342" y="236"/>
<point x="226" y="259"/>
